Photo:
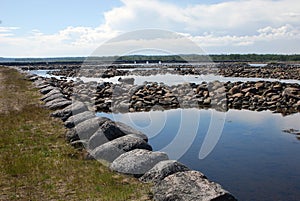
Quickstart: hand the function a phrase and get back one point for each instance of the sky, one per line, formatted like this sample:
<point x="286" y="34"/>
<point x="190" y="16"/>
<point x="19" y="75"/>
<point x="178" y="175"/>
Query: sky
<point x="57" y="28"/>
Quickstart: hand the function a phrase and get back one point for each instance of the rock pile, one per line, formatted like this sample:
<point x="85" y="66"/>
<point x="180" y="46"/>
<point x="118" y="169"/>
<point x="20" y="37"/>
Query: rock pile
<point x="276" y="71"/>
<point x="257" y="96"/>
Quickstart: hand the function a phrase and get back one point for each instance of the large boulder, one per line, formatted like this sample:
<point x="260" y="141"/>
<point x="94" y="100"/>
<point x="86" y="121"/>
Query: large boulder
<point x="85" y="129"/>
<point x="53" y="97"/>
<point x="113" y="149"/>
<point x="51" y="93"/>
<point x="113" y="130"/>
<point x="137" y="162"/>
<point x="47" y="89"/>
<point x="129" y="130"/>
<point x="162" y="170"/>
<point x="59" y="103"/>
<point x="73" y="109"/>
<point x="78" y="118"/>
<point x="190" y="185"/>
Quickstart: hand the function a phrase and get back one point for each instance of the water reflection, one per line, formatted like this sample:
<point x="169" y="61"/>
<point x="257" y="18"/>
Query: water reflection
<point x="254" y="159"/>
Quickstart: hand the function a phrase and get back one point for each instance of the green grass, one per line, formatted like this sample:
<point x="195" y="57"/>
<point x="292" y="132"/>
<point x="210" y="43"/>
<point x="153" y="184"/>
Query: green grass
<point x="35" y="161"/>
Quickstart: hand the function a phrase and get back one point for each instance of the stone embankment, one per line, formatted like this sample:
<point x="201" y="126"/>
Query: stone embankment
<point x="277" y="97"/>
<point x="123" y="148"/>
<point x="274" y="70"/>
<point x="271" y="70"/>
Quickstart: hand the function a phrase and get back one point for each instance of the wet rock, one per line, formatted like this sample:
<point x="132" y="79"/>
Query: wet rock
<point x="162" y="170"/>
<point x="137" y="162"/>
<point x="189" y="185"/>
<point x="113" y="149"/>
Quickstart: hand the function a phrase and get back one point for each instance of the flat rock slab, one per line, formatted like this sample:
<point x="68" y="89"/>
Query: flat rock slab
<point x="78" y="118"/>
<point x="113" y="149"/>
<point x="163" y="169"/>
<point x="137" y="162"/>
<point x="190" y="185"/>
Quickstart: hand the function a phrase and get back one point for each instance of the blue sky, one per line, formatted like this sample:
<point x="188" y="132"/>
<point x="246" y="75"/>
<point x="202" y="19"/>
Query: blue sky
<point x="36" y="28"/>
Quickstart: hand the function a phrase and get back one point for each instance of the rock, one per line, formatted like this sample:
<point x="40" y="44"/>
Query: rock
<point x="113" y="149"/>
<point x="237" y="95"/>
<point x="53" y="97"/>
<point x="59" y="103"/>
<point x="162" y="170"/>
<point x="51" y="93"/>
<point x="190" y="185"/>
<point x="85" y="129"/>
<point x="126" y="80"/>
<point x="111" y="130"/>
<point x="129" y="130"/>
<point x="47" y="89"/>
<point x="137" y="162"/>
<point x="259" y="85"/>
<point x="97" y="139"/>
<point x="234" y="90"/>
<point x="76" y="119"/>
<point x="73" y="109"/>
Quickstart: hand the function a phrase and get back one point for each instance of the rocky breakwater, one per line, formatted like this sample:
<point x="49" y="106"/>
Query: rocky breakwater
<point x="256" y="96"/>
<point x="126" y="150"/>
<point x="98" y="72"/>
<point x="275" y="96"/>
<point x="274" y="70"/>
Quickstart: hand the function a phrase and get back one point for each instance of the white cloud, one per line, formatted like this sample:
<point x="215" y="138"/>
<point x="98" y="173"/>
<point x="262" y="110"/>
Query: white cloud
<point x="233" y="26"/>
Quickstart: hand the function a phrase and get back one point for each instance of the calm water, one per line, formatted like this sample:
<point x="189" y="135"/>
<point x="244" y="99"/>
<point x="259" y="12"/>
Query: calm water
<point x="252" y="158"/>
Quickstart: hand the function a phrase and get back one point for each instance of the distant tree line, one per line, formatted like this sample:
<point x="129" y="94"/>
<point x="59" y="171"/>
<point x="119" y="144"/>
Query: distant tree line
<point x="161" y="58"/>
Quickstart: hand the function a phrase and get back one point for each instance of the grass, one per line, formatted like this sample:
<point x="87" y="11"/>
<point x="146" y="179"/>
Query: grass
<point x="35" y="161"/>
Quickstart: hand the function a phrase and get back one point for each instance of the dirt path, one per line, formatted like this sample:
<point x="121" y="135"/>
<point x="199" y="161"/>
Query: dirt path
<point x="8" y="98"/>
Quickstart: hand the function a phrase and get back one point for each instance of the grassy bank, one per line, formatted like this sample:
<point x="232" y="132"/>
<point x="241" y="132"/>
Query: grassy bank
<point x="35" y="161"/>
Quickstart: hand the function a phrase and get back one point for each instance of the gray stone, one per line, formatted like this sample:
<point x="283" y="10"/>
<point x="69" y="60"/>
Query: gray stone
<point x="129" y="130"/>
<point x="162" y="170"/>
<point x="190" y="185"/>
<point x="137" y="162"/>
<point x="111" y="130"/>
<point x="73" y="109"/>
<point x="97" y="139"/>
<point x="47" y="89"/>
<point x="113" y="149"/>
<point x="53" y="97"/>
<point x="78" y="118"/>
<point x="59" y="103"/>
<point x="85" y="129"/>
<point x="51" y="93"/>
<point x="126" y="80"/>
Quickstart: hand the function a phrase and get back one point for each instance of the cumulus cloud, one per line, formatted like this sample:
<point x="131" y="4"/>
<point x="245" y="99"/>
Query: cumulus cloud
<point x="233" y="26"/>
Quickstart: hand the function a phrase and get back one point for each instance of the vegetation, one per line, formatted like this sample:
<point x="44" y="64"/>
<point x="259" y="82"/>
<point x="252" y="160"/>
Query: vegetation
<point x="35" y="161"/>
<point x="161" y="58"/>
